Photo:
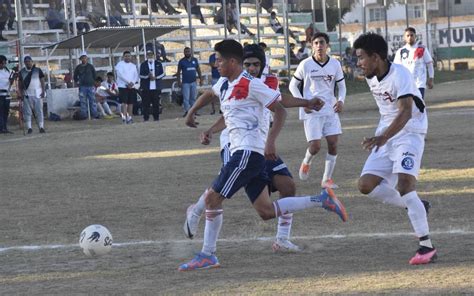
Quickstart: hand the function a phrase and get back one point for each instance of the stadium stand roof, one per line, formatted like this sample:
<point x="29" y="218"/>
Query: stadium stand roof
<point x="113" y="37"/>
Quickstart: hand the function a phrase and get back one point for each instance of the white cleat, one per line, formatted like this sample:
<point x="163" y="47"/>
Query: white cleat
<point x="329" y="183"/>
<point x="191" y="223"/>
<point x="304" y="171"/>
<point x="284" y="245"/>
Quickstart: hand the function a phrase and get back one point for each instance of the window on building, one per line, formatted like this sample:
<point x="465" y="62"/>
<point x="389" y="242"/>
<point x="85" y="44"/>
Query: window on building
<point x="457" y="1"/>
<point x="376" y="14"/>
<point x="415" y="11"/>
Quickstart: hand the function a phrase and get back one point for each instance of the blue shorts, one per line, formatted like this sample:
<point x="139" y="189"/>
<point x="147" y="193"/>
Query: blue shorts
<point x="225" y="154"/>
<point x="245" y="168"/>
<point x="276" y="167"/>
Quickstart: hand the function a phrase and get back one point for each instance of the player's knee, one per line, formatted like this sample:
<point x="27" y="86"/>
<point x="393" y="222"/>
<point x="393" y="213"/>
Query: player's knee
<point x="365" y="187"/>
<point x="213" y="200"/>
<point x="266" y="213"/>
<point x="314" y="147"/>
<point x="289" y="190"/>
<point x="405" y="186"/>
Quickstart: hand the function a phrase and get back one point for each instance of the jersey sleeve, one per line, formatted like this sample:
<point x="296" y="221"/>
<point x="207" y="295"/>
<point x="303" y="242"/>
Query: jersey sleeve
<point x="398" y="57"/>
<point x="339" y="73"/>
<point x="427" y="57"/>
<point x="405" y="85"/>
<point x="40" y="73"/>
<point x="216" y="88"/>
<point x="299" y="72"/>
<point x="262" y="93"/>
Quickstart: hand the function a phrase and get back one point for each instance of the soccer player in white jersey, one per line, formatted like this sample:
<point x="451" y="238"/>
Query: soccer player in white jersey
<point x="416" y="58"/>
<point x="391" y="170"/>
<point x="243" y="99"/>
<point x="318" y="75"/>
<point x="280" y="178"/>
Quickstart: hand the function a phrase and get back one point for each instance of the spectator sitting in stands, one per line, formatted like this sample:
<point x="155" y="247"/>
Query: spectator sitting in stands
<point x="164" y="4"/>
<point x="293" y="59"/>
<point x="55" y="17"/>
<point x="233" y="19"/>
<point x="304" y="52"/>
<point x="101" y="94"/>
<point x="267" y="4"/>
<point x="277" y="27"/>
<point x="8" y="13"/>
<point x="195" y="9"/>
<point x="3" y="20"/>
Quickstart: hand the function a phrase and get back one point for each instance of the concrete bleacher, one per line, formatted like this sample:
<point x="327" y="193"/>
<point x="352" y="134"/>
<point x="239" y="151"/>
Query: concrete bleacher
<point x="37" y="35"/>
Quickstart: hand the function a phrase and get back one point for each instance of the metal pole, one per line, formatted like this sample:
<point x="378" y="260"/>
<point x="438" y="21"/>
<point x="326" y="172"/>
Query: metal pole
<point x="133" y="13"/>
<point x="385" y="19"/>
<point x="149" y="12"/>
<point x="449" y="35"/>
<point x="47" y="69"/>
<point x="224" y="7"/>
<point x="73" y="14"/>
<point x="287" y="46"/>
<point x="191" y="42"/>
<point x="144" y="43"/>
<point x="19" y="30"/>
<point x="107" y="14"/>
<point x="324" y="15"/>
<point x="339" y="16"/>
<point x="406" y="14"/>
<point x="313" y="11"/>
<point x="364" y="21"/>
<point x="68" y="34"/>
<point x="237" y="6"/>
<point x="257" y="7"/>
<point x="425" y="5"/>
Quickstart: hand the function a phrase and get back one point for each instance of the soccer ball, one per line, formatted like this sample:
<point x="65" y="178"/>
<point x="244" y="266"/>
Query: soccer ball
<point x="95" y="240"/>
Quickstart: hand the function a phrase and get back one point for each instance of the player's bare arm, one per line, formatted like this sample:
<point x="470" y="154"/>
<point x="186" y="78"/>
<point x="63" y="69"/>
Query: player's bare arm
<point x="404" y="114"/>
<point x="279" y="116"/>
<point x="207" y="97"/>
<point x="217" y="127"/>
<point x="288" y="101"/>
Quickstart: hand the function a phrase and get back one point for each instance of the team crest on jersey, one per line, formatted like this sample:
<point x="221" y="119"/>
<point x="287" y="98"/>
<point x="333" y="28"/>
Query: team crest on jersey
<point x="404" y="53"/>
<point x="408" y="163"/>
<point x="328" y="78"/>
<point x="387" y="97"/>
<point x="241" y="90"/>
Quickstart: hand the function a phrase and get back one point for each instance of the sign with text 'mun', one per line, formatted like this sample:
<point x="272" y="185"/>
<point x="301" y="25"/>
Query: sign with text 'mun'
<point x="461" y="35"/>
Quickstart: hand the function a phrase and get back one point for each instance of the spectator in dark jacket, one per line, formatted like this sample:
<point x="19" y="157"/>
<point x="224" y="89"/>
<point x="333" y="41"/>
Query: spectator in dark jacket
<point x="151" y="73"/>
<point x="84" y="76"/>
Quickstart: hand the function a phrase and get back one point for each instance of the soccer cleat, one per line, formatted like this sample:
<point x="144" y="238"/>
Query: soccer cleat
<point x="424" y="255"/>
<point x="284" y="245"/>
<point x="331" y="203"/>
<point x="329" y="183"/>
<point x="201" y="261"/>
<point x="304" y="171"/>
<point x="42" y="131"/>
<point x="191" y="223"/>
<point x="30" y="131"/>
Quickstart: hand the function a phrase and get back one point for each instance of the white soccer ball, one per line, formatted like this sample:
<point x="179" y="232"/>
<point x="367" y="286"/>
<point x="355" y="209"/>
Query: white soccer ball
<point x="95" y="240"/>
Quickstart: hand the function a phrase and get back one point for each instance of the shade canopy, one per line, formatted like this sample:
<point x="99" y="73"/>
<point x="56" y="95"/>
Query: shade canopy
<point x="112" y="37"/>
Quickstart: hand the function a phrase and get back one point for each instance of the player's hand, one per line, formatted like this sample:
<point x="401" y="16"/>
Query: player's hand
<point x="315" y="104"/>
<point x="430" y="83"/>
<point x="308" y="110"/>
<point x="270" y="151"/>
<point x="189" y="120"/>
<point x="338" y="106"/>
<point x="377" y="142"/>
<point x="206" y="137"/>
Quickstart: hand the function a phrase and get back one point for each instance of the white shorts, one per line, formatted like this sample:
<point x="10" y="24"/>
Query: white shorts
<point x="401" y="154"/>
<point x="316" y="127"/>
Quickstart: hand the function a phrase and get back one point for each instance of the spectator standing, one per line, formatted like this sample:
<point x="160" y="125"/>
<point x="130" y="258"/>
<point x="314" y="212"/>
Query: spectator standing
<point x="84" y="76"/>
<point x="151" y="73"/>
<point x="127" y="78"/>
<point x="6" y="79"/>
<point x="32" y="90"/>
<point x="188" y="67"/>
<point x="277" y="27"/>
<point x="214" y="77"/>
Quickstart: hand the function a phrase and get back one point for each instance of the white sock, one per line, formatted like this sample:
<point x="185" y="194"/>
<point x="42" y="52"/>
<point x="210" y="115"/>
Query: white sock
<point x="387" y="194"/>
<point x="308" y="157"/>
<point x="211" y="231"/>
<point x="284" y="226"/>
<point x="329" y="166"/>
<point x="201" y="204"/>
<point x="417" y="214"/>
<point x="289" y="205"/>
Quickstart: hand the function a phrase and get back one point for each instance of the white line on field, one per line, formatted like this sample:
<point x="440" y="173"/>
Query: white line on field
<point x="238" y="240"/>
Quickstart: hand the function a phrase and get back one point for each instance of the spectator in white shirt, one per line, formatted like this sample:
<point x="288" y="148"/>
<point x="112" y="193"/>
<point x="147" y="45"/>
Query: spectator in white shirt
<point x="127" y="81"/>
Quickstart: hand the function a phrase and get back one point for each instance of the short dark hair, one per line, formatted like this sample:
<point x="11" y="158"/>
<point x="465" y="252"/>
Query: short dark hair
<point x="410" y="29"/>
<point x="125" y="52"/>
<point x="3" y="58"/>
<point x="319" y="35"/>
<point x="229" y="48"/>
<point x="110" y="74"/>
<point x="372" y="43"/>
<point x="98" y="79"/>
